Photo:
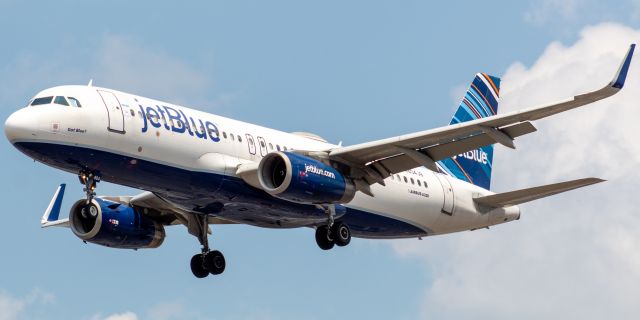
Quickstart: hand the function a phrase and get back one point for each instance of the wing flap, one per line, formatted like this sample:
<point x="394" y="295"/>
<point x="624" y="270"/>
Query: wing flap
<point x="512" y="198"/>
<point x="403" y="162"/>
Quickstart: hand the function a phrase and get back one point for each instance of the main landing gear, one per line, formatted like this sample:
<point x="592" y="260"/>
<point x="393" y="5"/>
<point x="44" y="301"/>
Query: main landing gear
<point x="207" y="262"/>
<point x="90" y="180"/>
<point x="333" y="233"/>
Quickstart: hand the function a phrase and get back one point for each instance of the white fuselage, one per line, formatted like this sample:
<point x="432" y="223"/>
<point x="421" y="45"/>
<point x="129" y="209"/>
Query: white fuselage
<point x="144" y="130"/>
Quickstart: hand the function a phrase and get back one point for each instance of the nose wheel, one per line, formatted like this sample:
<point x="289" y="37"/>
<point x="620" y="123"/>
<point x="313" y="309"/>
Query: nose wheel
<point x="207" y="262"/>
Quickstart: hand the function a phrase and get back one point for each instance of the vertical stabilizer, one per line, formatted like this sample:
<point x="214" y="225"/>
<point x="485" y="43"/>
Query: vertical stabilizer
<point x="480" y="101"/>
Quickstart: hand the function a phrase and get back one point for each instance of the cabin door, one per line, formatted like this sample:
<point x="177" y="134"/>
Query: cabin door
<point x="114" y="111"/>
<point x="447" y="191"/>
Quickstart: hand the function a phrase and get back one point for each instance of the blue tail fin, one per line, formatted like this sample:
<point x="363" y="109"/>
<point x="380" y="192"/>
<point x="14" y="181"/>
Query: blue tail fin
<point x="481" y="100"/>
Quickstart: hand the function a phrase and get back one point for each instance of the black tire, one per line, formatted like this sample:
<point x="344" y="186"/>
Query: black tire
<point x="323" y="238"/>
<point x="341" y="234"/>
<point x="197" y="266"/>
<point x="214" y="262"/>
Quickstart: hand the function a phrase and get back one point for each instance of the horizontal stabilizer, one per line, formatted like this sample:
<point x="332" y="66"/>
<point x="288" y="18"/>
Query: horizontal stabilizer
<point x="51" y="215"/>
<point x="513" y="198"/>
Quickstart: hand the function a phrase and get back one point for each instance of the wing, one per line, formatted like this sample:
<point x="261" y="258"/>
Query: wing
<point x="373" y="161"/>
<point x="525" y="195"/>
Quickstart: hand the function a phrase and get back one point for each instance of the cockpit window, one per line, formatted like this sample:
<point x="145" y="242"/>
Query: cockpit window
<point x="41" y="101"/>
<point x="61" y="100"/>
<point x="74" y="102"/>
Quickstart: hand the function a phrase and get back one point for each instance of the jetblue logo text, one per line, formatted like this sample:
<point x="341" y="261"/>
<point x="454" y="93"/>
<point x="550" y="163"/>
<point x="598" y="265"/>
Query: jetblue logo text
<point x="318" y="171"/>
<point x="177" y="121"/>
<point x="476" y="155"/>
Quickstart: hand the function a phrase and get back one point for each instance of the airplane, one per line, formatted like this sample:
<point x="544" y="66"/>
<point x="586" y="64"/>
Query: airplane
<point x="198" y="169"/>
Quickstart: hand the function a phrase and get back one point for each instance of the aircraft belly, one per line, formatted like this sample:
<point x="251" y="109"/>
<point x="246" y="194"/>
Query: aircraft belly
<point x="213" y="193"/>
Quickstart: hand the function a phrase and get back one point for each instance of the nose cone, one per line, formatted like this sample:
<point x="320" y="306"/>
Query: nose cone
<point x="18" y="126"/>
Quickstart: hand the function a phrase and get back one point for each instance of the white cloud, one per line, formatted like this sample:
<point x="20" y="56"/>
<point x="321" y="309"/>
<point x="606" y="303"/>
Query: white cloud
<point x="117" y="316"/>
<point x="161" y="311"/>
<point x="10" y="307"/>
<point x="122" y="316"/>
<point x="14" y="308"/>
<point x="575" y="255"/>
<point x="167" y="311"/>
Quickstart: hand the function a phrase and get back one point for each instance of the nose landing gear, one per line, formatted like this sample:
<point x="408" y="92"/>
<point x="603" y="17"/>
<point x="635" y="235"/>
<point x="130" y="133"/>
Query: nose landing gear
<point x="207" y="262"/>
<point x="90" y="180"/>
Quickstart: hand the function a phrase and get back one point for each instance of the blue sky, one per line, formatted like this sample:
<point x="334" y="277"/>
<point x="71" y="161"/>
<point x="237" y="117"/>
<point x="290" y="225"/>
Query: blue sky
<point x="380" y="69"/>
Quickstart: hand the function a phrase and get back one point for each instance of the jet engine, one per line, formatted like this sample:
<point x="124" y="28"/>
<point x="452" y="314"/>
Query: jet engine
<point x="114" y="225"/>
<point x="301" y="179"/>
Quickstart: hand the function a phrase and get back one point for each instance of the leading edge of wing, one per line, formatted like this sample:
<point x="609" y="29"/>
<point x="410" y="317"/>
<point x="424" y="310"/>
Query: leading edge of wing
<point x="374" y="150"/>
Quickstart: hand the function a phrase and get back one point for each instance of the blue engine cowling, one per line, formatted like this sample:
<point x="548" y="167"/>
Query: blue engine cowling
<point x="301" y="179"/>
<point x="114" y="225"/>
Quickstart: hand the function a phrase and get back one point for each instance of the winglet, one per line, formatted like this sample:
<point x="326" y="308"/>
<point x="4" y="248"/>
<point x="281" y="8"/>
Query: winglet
<point x="51" y="215"/>
<point x="621" y="75"/>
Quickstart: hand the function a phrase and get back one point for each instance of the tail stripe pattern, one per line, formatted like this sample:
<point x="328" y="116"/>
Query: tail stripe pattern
<point x="480" y="101"/>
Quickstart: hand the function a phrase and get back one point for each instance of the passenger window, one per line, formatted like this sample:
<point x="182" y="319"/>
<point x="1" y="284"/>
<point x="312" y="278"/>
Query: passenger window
<point x="61" y="101"/>
<point x="41" y="101"/>
<point x="75" y="103"/>
<point x="239" y="138"/>
<point x="224" y="134"/>
<point x="278" y="147"/>
<point x="405" y="179"/>
<point x="262" y="144"/>
<point x="270" y="146"/>
<point x="412" y="182"/>
<point x="419" y="184"/>
<point x="398" y="177"/>
<point x="233" y="138"/>
<point x="133" y="113"/>
<point x="425" y="184"/>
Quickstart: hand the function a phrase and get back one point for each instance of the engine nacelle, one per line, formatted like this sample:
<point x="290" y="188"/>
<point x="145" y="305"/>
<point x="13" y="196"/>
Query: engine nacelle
<point x="114" y="225"/>
<point x="301" y="179"/>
